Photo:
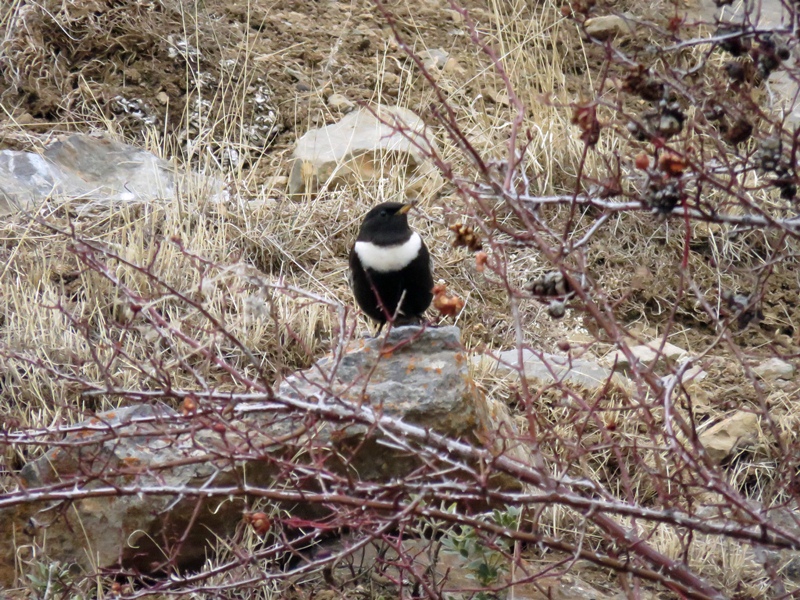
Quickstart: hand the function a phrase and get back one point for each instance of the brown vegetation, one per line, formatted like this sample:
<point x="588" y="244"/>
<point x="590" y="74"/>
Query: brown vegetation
<point x="648" y="173"/>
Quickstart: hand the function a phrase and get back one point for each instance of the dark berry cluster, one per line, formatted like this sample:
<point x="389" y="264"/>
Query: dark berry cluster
<point x="770" y="159"/>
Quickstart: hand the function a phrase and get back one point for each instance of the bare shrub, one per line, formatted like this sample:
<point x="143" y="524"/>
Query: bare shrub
<point x="657" y="205"/>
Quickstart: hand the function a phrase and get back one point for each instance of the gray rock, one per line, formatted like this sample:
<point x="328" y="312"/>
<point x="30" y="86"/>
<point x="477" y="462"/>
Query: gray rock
<point x="94" y="173"/>
<point x="434" y="59"/>
<point x="647" y="355"/>
<point x="609" y="26"/>
<point x="552" y="368"/>
<point x="340" y="102"/>
<point x="356" y="149"/>
<point x="774" y="368"/>
<point x="419" y="376"/>
<point x="730" y="435"/>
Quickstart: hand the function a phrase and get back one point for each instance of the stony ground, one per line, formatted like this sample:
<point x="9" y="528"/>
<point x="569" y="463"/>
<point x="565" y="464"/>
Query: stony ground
<point x="228" y="86"/>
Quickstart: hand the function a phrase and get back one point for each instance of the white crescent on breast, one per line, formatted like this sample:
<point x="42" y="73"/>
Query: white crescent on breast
<point x="385" y="259"/>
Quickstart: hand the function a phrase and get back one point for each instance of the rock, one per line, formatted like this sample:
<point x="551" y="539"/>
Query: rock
<point x="774" y="368"/>
<point x="340" y="102"/>
<point x="696" y="374"/>
<point x="357" y="147"/>
<point x="646" y="354"/>
<point x="733" y="433"/>
<point x="274" y="182"/>
<point x="550" y="368"/>
<point x="94" y="173"/>
<point x="609" y="26"/>
<point x="419" y="376"/>
<point x="390" y="79"/>
<point x="456" y="16"/>
<point x="434" y="59"/>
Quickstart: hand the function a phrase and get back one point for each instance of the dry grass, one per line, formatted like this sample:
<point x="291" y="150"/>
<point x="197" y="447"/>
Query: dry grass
<point x="61" y="321"/>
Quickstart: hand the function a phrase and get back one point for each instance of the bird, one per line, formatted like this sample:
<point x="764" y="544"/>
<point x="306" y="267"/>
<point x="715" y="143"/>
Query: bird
<point x="390" y="267"/>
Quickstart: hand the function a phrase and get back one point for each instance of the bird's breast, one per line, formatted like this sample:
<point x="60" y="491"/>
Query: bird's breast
<point x="385" y="259"/>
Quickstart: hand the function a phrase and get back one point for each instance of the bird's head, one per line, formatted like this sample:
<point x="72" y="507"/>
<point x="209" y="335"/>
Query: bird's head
<point x="386" y="224"/>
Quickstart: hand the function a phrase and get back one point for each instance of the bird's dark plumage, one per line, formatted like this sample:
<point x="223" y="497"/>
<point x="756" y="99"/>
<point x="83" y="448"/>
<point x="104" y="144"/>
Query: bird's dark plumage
<point x="389" y="261"/>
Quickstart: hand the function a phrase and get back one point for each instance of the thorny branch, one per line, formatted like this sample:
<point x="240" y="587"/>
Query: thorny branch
<point x="623" y="466"/>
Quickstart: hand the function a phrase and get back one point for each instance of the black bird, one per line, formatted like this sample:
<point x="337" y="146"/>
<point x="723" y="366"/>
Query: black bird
<point x="389" y="263"/>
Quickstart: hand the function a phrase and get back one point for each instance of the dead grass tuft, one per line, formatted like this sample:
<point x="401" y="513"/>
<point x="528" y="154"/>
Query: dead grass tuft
<point x="273" y="271"/>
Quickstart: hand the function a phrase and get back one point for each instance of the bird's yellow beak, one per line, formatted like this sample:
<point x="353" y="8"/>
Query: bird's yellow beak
<point x="405" y="208"/>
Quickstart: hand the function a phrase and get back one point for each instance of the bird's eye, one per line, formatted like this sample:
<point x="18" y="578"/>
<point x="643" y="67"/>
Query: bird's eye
<point x="384" y="213"/>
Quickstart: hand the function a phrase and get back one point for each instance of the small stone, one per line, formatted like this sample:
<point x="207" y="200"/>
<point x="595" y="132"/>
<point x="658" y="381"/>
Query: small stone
<point x="646" y="355"/>
<point x="340" y="102"/>
<point x="278" y="181"/>
<point x="25" y="118"/>
<point x="550" y="368"/>
<point x="696" y="374"/>
<point x="723" y="439"/>
<point x="391" y="79"/>
<point x="162" y="97"/>
<point x="434" y="59"/>
<point x="608" y="26"/>
<point x="455" y="16"/>
<point x="774" y="368"/>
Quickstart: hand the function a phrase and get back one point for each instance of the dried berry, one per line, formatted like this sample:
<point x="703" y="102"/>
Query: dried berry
<point x="769" y="154"/>
<point x="735" y="71"/>
<point x="480" y="261"/>
<point x="585" y="117"/>
<point x="714" y="112"/>
<point x="642" y="161"/>
<point x="551" y="283"/>
<point x="739" y="132"/>
<point x="640" y="82"/>
<point x="662" y="196"/>
<point x="671" y="163"/>
<point x="768" y="56"/>
<point x="556" y="309"/>
<point x="735" y="41"/>
<point x="788" y="190"/>
<point x="448" y="306"/>
<point x="259" y="521"/>
<point x="466" y="236"/>
<point x="189" y="405"/>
